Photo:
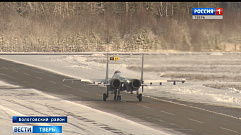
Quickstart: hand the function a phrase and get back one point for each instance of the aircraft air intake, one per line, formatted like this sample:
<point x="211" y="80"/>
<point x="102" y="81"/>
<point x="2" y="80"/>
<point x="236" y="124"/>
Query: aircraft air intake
<point x="135" y="83"/>
<point x="115" y="83"/>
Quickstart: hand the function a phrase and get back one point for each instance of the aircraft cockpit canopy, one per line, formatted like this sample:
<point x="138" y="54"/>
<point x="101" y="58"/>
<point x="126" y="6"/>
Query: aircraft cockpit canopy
<point x="117" y="71"/>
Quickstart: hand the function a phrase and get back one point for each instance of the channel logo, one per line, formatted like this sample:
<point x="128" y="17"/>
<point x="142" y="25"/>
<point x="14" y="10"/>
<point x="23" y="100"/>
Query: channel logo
<point x="37" y="129"/>
<point x="207" y="11"/>
<point x="22" y="129"/>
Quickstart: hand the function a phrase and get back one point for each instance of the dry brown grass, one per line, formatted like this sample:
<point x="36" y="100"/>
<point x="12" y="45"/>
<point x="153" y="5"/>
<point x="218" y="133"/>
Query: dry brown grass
<point x="59" y="26"/>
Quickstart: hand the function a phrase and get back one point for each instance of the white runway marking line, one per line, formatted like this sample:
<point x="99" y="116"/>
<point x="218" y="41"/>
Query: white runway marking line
<point x="15" y="70"/>
<point x="228" y="130"/>
<point x="84" y="91"/>
<point x="38" y="78"/>
<point x="167" y="113"/>
<point x="52" y="82"/>
<point x="143" y="106"/>
<point x="99" y="95"/>
<point x="173" y="124"/>
<point x="156" y="119"/>
<point x="67" y="86"/>
<point x="25" y="73"/>
<point x="196" y="121"/>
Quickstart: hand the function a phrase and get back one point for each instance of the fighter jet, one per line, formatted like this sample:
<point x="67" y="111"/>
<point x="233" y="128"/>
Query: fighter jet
<point x="119" y="83"/>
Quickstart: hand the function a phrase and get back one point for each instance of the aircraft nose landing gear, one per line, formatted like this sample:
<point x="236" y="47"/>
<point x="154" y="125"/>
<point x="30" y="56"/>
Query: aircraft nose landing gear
<point x="117" y="95"/>
<point x="118" y="98"/>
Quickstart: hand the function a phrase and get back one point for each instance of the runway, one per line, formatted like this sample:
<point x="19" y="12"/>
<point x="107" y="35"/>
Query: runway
<point x="184" y="117"/>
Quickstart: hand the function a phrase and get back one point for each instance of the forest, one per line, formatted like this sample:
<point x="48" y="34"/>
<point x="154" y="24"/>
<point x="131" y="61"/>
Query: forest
<point x="117" y="26"/>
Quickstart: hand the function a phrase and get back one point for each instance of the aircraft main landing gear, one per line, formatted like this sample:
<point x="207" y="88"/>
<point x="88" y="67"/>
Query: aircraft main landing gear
<point x="115" y="95"/>
<point x="105" y="97"/>
<point x="139" y="97"/>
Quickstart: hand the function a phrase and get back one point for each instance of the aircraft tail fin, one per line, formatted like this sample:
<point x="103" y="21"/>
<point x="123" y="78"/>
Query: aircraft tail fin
<point x="107" y="69"/>
<point x="142" y="64"/>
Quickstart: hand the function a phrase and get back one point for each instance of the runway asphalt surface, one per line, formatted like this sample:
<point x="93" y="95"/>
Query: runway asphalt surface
<point x="183" y="117"/>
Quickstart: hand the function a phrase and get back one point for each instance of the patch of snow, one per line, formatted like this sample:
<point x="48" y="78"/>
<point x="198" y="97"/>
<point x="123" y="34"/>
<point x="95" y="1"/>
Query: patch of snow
<point x="216" y="53"/>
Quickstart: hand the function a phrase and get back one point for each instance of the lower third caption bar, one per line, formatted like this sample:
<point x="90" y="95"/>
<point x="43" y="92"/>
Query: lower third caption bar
<point x="37" y="129"/>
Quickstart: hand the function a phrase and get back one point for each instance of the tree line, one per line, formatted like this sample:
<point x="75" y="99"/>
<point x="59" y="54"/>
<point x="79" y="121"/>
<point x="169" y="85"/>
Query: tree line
<point x="117" y="26"/>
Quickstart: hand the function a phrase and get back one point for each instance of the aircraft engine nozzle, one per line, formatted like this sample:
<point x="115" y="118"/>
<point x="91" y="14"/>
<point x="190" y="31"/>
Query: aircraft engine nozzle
<point x="135" y="84"/>
<point x="115" y="83"/>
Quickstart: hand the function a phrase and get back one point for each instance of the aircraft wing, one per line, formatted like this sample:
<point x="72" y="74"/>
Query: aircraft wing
<point x="176" y="80"/>
<point x="98" y="81"/>
<point x="159" y="82"/>
<point x="72" y="80"/>
<point x="94" y="81"/>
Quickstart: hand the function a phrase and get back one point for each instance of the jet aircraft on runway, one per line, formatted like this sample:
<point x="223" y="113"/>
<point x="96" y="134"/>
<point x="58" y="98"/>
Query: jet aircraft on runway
<point x="119" y="83"/>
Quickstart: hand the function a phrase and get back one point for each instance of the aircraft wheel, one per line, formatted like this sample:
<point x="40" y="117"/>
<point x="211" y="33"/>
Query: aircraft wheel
<point x="115" y="96"/>
<point x="118" y="98"/>
<point x="140" y="97"/>
<point x="104" y="97"/>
